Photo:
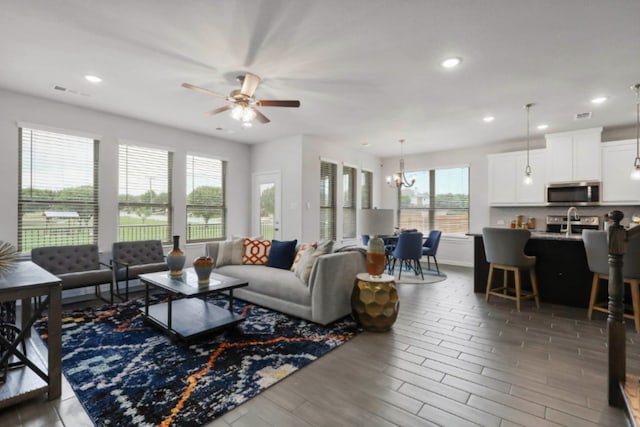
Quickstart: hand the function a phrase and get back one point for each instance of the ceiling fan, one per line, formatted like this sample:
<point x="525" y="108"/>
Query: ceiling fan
<point x="242" y="102"/>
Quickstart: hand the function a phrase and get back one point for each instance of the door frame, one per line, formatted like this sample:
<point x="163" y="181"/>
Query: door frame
<point x="260" y="178"/>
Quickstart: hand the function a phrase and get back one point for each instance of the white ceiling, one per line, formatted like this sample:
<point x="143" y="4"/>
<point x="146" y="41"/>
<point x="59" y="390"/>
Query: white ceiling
<point x="364" y="70"/>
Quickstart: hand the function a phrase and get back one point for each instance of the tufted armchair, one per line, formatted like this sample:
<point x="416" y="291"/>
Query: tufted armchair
<point x="130" y="259"/>
<point x="76" y="266"/>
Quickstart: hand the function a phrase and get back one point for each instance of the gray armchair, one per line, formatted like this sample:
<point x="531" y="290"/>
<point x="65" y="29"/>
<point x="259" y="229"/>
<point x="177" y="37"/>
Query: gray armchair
<point x="130" y="259"/>
<point x="76" y="266"/>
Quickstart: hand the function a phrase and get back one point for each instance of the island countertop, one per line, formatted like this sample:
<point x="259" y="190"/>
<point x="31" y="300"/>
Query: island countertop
<point x="561" y="268"/>
<point x="544" y="235"/>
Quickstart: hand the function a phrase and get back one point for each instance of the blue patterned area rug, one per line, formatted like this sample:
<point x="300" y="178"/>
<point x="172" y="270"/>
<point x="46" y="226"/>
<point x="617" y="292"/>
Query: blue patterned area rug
<point x="125" y="372"/>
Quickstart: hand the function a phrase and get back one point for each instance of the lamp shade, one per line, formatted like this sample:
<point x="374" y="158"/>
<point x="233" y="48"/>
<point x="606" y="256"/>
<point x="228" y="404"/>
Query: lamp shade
<point x="376" y="222"/>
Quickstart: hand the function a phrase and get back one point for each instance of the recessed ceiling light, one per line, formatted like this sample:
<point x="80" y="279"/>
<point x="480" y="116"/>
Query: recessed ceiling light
<point x="364" y="144"/>
<point x="543" y="126"/>
<point x="599" y="100"/>
<point x="489" y="119"/>
<point x="451" y="62"/>
<point x="93" y="79"/>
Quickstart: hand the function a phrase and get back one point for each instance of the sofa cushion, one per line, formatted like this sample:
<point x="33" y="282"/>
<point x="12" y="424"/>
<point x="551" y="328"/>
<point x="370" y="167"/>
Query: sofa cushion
<point x="309" y="257"/>
<point x="282" y="253"/>
<point x="275" y="282"/>
<point x="256" y="252"/>
<point x="299" y="253"/>
<point x="230" y="252"/>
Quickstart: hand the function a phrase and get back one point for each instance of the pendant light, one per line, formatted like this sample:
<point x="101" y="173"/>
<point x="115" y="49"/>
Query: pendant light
<point x="635" y="174"/>
<point x="400" y="180"/>
<point x="528" y="180"/>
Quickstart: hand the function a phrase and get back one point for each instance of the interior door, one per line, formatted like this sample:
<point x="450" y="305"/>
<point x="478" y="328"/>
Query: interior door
<point x="267" y="205"/>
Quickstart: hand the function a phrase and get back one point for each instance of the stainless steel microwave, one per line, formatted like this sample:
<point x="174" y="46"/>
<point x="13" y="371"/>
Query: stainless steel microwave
<point x="580" y="193"/>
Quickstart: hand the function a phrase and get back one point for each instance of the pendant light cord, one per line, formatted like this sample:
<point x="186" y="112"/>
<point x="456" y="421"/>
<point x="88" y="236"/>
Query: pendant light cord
<point x="636" y="163"/>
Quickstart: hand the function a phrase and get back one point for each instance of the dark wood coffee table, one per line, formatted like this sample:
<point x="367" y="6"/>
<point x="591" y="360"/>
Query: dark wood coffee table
<point x="190" y="317"/>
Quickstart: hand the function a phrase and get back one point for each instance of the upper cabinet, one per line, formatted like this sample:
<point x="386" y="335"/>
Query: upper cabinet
<point x="506" y="178"/>
<point x="574" y="156"/>
<point x="617" y="164"/>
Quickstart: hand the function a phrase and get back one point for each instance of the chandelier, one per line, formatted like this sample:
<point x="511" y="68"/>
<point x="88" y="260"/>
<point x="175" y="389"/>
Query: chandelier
<point x="399" y="179"/>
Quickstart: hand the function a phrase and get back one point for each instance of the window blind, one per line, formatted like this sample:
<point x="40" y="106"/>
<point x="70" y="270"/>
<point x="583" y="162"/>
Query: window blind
<point x="367" y="190"/>
<point x="144" y="193"/>
<point x="328" y="177"/>
<point x="438" y="200"/>
<point x="349" y="202"/>
<point x="57" y="189"/>
<point x="206" y="206"/>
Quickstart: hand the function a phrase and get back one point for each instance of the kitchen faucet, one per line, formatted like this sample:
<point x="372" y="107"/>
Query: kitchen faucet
<point x="575" y="217"/>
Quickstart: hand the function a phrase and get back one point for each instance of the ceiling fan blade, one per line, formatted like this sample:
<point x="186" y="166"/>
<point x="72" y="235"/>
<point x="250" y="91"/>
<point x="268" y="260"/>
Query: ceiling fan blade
<point x="249" y="84"/>
<point x="266" y="103"/>
<point x="203" y="90"/>
<point x="219" y="110"/>
<point x="260" y="117"/>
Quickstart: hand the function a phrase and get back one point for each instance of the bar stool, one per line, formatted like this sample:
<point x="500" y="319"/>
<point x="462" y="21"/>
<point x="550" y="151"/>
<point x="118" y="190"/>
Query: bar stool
<point x="505" y="251"/>
<point x="597" y="249"/>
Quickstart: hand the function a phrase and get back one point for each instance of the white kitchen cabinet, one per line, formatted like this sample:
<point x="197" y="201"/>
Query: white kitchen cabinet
<point x="574" y="156"/>
<point x="506" y="175"/>
<point x="502" y="185"/>
<point x="617" y="164"/>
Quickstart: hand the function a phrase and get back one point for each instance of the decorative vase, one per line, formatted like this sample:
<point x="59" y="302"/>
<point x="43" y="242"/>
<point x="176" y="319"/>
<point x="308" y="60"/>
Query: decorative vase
<point x="203" y="266"/>
<point x="175" y="258"/>
<point x="376" y="257"/>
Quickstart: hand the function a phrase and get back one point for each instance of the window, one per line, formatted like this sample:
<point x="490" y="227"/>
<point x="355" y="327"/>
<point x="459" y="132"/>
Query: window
<point x="367" y="189"/>
<point x="328" y="173"/>
<point x="144" y="193"/>
<point x="58" y="190"/>
<point x="206" y="210"/>
<point x="438" y="200"/>
<point x="349" y="202"/>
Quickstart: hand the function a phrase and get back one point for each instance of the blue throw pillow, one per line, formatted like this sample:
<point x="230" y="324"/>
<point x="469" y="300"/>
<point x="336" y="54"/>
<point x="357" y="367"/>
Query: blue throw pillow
<point x="282" y="253"/>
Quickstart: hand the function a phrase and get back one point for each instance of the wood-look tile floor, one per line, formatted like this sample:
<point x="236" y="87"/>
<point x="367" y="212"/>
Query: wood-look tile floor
<point x="450" y="360"/>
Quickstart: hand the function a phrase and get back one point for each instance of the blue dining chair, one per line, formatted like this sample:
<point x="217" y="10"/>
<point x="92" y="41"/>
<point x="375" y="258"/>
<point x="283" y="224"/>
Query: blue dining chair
<point x="408" y="251"/>
<point x="430" y="248"/>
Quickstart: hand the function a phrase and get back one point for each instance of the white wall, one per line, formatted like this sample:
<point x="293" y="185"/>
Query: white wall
<point x="284" y="156"/>
<point x="313" y="151"/>
<point x="111" y="129"/>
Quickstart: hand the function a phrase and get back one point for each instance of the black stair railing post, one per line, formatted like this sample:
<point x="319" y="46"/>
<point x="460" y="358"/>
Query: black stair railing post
<point x="615" y="321"/>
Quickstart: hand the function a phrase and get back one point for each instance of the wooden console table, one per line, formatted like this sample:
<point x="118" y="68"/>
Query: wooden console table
<point x="38" y="375"/>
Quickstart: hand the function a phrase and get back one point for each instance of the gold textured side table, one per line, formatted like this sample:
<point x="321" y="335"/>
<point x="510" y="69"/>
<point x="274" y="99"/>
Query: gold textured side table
<point x="374" y="302"/>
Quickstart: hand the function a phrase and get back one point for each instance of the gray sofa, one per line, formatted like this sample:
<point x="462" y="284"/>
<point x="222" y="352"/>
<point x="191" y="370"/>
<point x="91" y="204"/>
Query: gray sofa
<point x="326" y="298"/>
<point x="77" y="266"/>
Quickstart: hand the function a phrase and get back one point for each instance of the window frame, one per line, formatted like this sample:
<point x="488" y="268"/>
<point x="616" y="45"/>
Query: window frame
<point x="366" y="189"/>
<point x="349" y="202"/>
<point x="168" y="206"/>
<point x="328" y="231"/>
<point x="434" y="206"/>
<point x="65" y="238"/>
<point x="222" y="207"/>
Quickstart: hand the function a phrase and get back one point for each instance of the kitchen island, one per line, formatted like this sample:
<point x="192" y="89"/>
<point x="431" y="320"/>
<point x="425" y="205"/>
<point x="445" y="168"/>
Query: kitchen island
<point x="561" y="268"/>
